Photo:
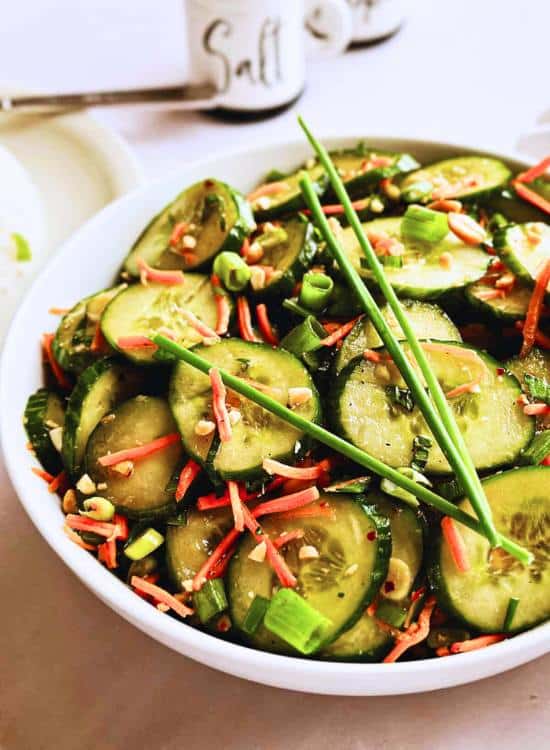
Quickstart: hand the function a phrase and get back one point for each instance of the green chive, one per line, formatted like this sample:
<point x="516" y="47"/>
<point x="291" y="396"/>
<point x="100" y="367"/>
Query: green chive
<point x="210" y="600"/>
<point x="295" y="621"/>
<point x="316" y="291"/>
<point x="145" y="543"/>
<point x="232" y="271"/>
<point x="391" y="613"/>
<point x="421" y="223"/>
<point x="510" y="614"/>
<point x="305" y="337"/>
<point x="391" y="261"/>
<point x="331" y="440"/>
<point x="537" y="450"/>
<point x="401" y="396"/>
<point x="417" y="192"/>
<point x="23" y="252"/>
<point x="538" y="388"/>
<point x="391" y="488"/>
<point x="255" y="615"/>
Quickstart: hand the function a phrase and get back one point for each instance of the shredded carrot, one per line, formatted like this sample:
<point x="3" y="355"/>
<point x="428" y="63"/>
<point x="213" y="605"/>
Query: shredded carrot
<point x="534" y="309"/>
<point x="534" y="172"/>
<point x="99" y="342"/>
<point x="45" y="475"/>
<point x="245" y="247"/>
<point x="58" y="482"/>
<point x="83" y="523"/>
<point x="140" y="451"/>
<point x="337" y="209"/>
<point x="293" y="472"/>
<point x="323" y="510"/>
<point x="541" y="339"/>
<point x="58" y="372"/>
<point x="415" y="633"/>
<point x="462" y="647"/>
<point x="77" y="539"/>
<point x="371" y="609"/>
<point x="201" y="328"/>
<point x="223" y="314"/>
<point x="531" y="197"/>
<point x="456" y="544"/>
<point x="536" y="410"/>
<point x="276" y="561"/>
<point x="244" y="320"/>
<point x="442" y="651"/>
<point x="161" y="595"/>
<point x="58" y="310"/>
<point x="147" y="273"/>
<point x="269" y="188"/>
<point x="340" y="333"/>
<point x="488" y="294"/>
<point x="460" y="390"/>
<point x="106" y="553"/>
<point x="209" y="567"/>
<point x="135" y="342"/>
<point x="188" y="474"/>
<point x="219" y="406"/>
<point x="236" y="505"/>
<point x="288" y="536"/>
<point x="178" y="232"/>
<point x="287" y="502"/>
<point x="453" y="351"/>
<point x="266" y="329"/>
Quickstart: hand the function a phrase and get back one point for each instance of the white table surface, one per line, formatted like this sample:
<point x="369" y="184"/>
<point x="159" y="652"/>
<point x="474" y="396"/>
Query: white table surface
<point x="72" y="673"/>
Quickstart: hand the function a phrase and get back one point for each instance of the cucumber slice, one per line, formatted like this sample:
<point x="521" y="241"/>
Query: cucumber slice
<point x="289" y="200"/>
<point x="258" y="434"/>
<point x="291" y="258"/>
<point x="221" y="218"/>
<point x="362" y="168"/>
<point x="493" y="424"/>
<point x="523" y="256"/>
<point x="366" y="641"/>
<point x="142" y="310"/>
<point x="144" y="493"/>
<point x="188" y="546"/>
<point x="44" y="411"/>
<point x="507" y="309"/>
<point x="339" y="583"/>
<point x="428" y="321"/>
<point x="516" y="210"/>
<point x="98" y="390"/>
<point x="75" y="333"/>
<point x="536" y="363"/>
<point x="463" y="176"/>
<point x="422" y="276"/>
<point x="479" y="597"/>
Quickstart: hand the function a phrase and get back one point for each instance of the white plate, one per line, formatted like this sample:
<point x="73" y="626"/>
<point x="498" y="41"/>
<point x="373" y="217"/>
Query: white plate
<point x="88" y="261"/>
<point x="77" y="165"/>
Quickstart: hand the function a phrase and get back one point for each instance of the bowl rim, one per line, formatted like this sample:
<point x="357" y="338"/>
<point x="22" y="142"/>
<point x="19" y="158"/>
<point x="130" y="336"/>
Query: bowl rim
<point x="337" y="678"/>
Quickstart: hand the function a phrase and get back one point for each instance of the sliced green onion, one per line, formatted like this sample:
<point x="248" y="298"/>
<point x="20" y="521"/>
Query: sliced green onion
<point x="421" y="223"/>
<point x="272" y="237"/>
<point x="442" y="637"/>
<point x="537" y="450"/>
<point x="210" y="600"/>
<point x="144" y="544"/>
<point x="305" y="337"/>
<point x="538" y="387"/>
<point x="417" y="192"/>
<point x="510" y="613"/>
<point x="232" y="271"/>
<point x="421" y="452"/>
<point x="292" y="305"/>
<point x="98" y="508"/>
<point x="496" y="222"/>
<point x="355" y="486"/>
<point x="391" y="261"/>
<point x="316" y="291"/>
<point x="23" y="252"/>
<point x="400" y="396"/>
<point x="295" y="621"/>
<point x="255" y="615"/>
<point x="391" y="613"/>
<point x="390" y="488"/>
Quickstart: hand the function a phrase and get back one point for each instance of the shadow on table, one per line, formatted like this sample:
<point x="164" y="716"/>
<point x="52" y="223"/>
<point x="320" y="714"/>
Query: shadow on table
<point x="75" y="675"/>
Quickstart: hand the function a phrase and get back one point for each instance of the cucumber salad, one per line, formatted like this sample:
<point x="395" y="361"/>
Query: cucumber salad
<point x="233" y="428"/>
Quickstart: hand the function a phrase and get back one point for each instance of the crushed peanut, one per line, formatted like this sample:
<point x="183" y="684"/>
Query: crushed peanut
<point x="258" y="553"/>
<point x="308" y="552"/>
<point x="86" y="485"/>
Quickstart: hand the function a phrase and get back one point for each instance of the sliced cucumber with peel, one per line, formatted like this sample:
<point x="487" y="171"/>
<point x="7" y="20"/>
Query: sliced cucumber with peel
<point x="44" y="411"/>
<point x="142" y="310"/>
<point x="479" y="597"/>
<point x="290" y="200"/>
<point x="522" y="254"/>
<point x="422" y="275"/>
<point x="359" y="172"/>
<point x="339" y="583"/>
<point x="427" y="319"/>
<point x="219" y="218"/>
<point x="258" y="434"/>
<point x="471" y="176"/>
<point x="494" y="425"/>
<point x="536" y="363"/>
<point x="511" y="307"/>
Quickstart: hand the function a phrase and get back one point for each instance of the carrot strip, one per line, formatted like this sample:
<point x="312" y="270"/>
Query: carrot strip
<point x="77" y="539"/>
<point x="45" y="475"/>
<point x="541" y="339"/>
<point x="293" y="472"/>
<point x="140" y="451"/>
<point x="161" y="595"/>
<point x="188" y="474"/>
<point x="57" y="482"/>
<point x="147" y="273"/>
<point x="534" y="172"/>
<point x="201" y="328"/>
<point x="58" y="310"/>
<point x="287" y="502"/>
<point x="415" y="633"/>
<point x="456" y="544"/>
<point x="337" y="209"/>
<point x="288" y="536"/>
<point x="208" y="568"/>
<point x="236" y="505"/>
<point x="58" y="372"/>
<point x="276" y="561"/>
<point x="223" y="312"/>
<point x="177" y="232"/>
<point x="244" y="320"/>
<point x="442" y="651"/>
<point x="135" y="342"/>
<point x="340" y="333"/>
<point x="536" y="410"/>
<point x="99" y="343"/>
<point x="534" y="309"/>
<point x="459" y="390"/>
<point x="106" y="553"/>
<point x="269" y="188"/>
<point x="463" y="647"/>
<point x="83" y="523"/>
<point x="266" y="329"/>
<point x="488" y="294"/>
<point x="532" y="197"/>
<point x="211" y="501"/>
<point x="219" y="406"/>
<point x="310" y="511"/>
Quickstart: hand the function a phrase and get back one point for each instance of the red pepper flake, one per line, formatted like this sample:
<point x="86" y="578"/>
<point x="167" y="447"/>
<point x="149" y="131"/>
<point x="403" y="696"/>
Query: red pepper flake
<point x="500" y="370"/>
<point x="389" y="586"/>
<point x="187" y="476"/>
<point x="372" y="535"/>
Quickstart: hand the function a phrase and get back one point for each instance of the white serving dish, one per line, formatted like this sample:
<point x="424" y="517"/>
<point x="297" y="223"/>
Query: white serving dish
<point x="89" y="261"/>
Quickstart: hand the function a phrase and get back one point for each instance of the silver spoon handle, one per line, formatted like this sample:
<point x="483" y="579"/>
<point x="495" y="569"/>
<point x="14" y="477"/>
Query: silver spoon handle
<point x="171" y="97"/>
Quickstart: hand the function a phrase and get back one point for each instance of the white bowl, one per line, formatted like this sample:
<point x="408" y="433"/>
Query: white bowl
<point x="89" y="261"/>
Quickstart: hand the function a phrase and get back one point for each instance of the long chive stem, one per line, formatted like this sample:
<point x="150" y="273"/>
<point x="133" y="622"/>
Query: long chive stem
<point x="339" y="445"/>
<point x="439" y="417"/>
